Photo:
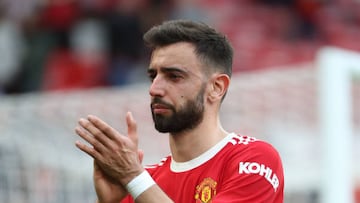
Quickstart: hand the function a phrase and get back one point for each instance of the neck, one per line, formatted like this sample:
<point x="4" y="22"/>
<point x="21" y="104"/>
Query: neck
<point x="190" y="144"/>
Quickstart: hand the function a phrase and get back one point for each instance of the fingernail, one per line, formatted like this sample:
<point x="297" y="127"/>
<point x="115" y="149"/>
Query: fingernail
<point x="82" y="120"/>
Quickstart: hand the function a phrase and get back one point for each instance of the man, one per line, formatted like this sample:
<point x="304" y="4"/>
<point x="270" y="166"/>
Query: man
<point x="190" y="70"/>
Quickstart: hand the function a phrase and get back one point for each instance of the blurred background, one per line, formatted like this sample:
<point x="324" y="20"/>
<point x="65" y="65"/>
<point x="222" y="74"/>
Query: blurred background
<point x="64" y="59"/>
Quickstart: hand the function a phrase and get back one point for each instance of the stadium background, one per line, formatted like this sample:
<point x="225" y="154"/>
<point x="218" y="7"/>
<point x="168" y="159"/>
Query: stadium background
<point x="64" y="59"/>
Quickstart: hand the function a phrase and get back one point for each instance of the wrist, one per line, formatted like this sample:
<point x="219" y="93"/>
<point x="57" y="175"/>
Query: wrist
<point x="98" y="201"/>
<point x="140" y="184"/>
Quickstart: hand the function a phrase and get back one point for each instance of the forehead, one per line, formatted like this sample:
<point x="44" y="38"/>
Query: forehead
<point x="181" y="55"/>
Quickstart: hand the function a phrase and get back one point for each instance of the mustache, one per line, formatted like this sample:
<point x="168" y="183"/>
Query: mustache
<point x="158" y="100"/>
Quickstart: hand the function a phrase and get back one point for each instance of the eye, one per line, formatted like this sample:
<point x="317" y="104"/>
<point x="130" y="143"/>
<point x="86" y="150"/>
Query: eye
<point x="174" y="76"/>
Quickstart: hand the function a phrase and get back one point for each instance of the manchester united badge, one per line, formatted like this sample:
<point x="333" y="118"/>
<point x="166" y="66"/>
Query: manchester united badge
<point x="205" y="191"/>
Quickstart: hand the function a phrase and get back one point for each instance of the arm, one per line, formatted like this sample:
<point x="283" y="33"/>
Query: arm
<point x="117" y="157"/>
<point x="153" y="194"/>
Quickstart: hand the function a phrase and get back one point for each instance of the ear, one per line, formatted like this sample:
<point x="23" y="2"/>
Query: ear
<point x="218" y="87"/>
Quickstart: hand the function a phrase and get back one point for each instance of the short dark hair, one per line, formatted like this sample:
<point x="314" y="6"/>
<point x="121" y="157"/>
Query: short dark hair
<point x="212" y="47"/>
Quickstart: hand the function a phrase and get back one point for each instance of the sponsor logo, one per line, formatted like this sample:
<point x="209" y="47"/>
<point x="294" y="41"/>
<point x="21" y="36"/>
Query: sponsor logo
<point x="260" y="169"/>
<point x="205" y="191"/>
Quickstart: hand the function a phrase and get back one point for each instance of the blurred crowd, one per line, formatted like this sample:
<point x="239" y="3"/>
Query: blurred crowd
<point x="64" y="44"/>
<point x="60" y="44"/>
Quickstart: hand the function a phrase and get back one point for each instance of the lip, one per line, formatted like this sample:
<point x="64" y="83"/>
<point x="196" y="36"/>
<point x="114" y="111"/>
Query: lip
<point x="159" y="108"/>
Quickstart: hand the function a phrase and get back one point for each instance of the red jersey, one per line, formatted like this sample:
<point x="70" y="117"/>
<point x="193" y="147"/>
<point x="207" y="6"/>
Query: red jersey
<point x="238" y="169"/>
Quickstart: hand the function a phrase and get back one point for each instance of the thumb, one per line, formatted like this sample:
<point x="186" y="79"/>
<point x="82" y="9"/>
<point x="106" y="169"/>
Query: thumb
<point x="132" y="128"/>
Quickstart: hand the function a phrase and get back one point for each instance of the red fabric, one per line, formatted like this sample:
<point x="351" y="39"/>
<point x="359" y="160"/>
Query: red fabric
<point x="246" y="170"/>
<point x="60" y="15"/>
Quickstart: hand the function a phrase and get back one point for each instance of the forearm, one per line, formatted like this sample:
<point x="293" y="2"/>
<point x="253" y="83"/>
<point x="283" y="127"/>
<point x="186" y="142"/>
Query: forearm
<point x="115" y="201"/>
<point x="153" y="194"/>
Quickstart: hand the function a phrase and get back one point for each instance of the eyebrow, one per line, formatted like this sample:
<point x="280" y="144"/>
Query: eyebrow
<point x="168" y="69"/>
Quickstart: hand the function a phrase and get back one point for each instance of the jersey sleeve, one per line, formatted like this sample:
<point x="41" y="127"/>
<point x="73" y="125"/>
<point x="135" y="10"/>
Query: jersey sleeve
<point x="252" y="175"/>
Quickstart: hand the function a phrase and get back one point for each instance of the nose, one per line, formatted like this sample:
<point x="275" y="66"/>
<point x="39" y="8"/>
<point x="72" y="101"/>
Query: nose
<point x="157" y="87"/>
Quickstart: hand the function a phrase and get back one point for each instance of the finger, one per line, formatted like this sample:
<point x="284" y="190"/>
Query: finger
<point x="96" y="166"/>
<point x="141" y="155"/>
<point x="106" y="129"/>
<point x="88" y="150"/>
<point x="132" y="128"/>
<point x="90" y="139"/>
<point x="95" y="132"/>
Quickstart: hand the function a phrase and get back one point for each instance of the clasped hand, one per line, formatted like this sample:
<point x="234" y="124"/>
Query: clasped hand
<point x="117" y="159"/>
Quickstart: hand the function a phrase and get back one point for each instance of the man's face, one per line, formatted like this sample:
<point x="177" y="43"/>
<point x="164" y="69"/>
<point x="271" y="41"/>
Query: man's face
<point x="177" y="89"/>
<point x="186" y="117"/>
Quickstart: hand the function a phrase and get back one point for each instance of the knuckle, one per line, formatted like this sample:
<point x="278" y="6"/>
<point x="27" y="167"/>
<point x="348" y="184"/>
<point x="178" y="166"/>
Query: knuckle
<point x="107" y="129"/>
<point x="97" y="147"/>
<point x="97" y="134"/>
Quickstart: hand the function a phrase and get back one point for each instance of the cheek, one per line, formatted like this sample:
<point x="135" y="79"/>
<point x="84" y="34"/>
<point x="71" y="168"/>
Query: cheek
<point x="182" y="101"/>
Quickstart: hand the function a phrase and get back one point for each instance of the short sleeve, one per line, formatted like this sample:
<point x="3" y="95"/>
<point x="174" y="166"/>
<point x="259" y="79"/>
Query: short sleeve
<point x="253" y="174"/>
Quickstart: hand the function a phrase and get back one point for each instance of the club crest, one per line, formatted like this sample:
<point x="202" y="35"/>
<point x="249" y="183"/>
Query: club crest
<point x="205" y="191"/>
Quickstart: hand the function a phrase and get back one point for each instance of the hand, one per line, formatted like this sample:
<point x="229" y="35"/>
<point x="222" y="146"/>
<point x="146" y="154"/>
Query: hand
<point x="115" y="154"/>
<point x="106" y="189"/>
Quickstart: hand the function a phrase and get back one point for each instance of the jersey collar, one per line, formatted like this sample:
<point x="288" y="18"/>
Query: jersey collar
<point x="178" y="167"/>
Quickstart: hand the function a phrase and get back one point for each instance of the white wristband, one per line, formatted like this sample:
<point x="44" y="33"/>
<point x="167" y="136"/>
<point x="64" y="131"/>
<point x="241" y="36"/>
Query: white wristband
<point x="139" y="184"/>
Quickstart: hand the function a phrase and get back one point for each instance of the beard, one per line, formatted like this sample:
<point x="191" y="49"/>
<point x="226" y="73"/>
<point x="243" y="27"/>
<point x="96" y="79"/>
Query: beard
<point x="187" y="117"/>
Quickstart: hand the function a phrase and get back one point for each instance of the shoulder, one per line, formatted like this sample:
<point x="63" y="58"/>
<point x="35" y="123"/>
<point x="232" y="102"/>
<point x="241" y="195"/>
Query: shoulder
<point x="254" y="160"/>
<point x="253" y="171"/>
<point x="250" y="147"/>
<point x="249" y="155"/>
